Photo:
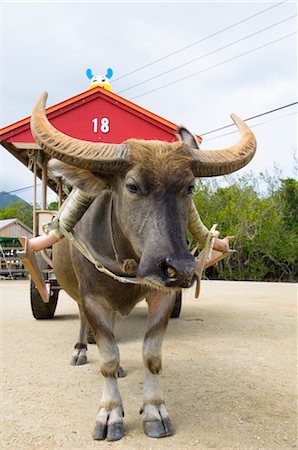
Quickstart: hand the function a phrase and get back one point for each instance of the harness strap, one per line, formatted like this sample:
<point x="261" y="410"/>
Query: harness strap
<point x="71" y="236"/>
<point x="200" y="261"/>
<point x="128" y="266"/>
<point x="204" y="256"/>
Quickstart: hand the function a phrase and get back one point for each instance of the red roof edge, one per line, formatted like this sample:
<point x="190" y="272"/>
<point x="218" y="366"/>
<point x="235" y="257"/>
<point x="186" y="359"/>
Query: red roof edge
<point x="86" y="94"/>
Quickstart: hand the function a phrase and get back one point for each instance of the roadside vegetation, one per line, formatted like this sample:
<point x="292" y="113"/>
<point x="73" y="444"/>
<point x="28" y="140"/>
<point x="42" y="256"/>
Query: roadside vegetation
<point x="260" y="211"/>
<point x="18" y="210"/>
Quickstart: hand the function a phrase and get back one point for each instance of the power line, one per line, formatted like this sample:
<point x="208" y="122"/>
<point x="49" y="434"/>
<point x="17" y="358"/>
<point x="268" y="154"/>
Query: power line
<point x="208" y="132"/>
<point x="250" y="118"/>
<point x="253" y="126"/>
<point x="214" y="65"/>
<point x="18" y="190"/>
<point x="208" y="54"/>
<point x="199" y="41"/>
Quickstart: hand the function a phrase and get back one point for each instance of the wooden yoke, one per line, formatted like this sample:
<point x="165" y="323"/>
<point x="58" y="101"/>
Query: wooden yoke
<point x="30" y="262"/>
<point x="208" y="257"/>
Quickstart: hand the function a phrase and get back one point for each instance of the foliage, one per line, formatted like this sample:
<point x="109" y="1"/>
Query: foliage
<point x="20" y="210"/>
<point x="53" y="206"/>
<point x="264" y="225"/>
<point x="23" y="211"/>
<point x="289" y="197"/>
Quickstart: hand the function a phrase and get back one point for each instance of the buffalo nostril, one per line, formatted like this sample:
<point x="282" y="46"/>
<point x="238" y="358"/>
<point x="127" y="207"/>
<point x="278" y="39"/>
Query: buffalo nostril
<point x="168" y="269"/>
<point x="171" y="272"/>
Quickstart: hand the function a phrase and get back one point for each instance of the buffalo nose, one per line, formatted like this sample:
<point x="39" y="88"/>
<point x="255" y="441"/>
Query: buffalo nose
<point x="178" y="273"/>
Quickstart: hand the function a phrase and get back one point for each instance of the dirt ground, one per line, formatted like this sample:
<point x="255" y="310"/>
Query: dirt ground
<point x="229" y="372"/>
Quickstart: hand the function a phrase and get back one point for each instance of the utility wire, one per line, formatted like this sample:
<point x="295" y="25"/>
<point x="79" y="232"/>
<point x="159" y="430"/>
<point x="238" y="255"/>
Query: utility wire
<point x="250" y="118"/>
<point x="214" y="65"/>
<point x="208" y="54"/>
<point x="18" y="190"/>
<point x="199" y="41"/>
<point x="209" y="132"/>
<point x="252" y="126"/>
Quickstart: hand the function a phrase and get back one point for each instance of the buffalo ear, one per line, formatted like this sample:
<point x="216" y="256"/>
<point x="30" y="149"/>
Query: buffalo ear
<point x="187" y="137"/>
<point x="83" y="179"/>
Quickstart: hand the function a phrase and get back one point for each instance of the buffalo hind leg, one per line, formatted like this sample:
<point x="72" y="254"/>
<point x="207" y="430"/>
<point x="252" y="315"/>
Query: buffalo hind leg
<point x="79" y="356"/>
<point x="156" y="422"/>
<point x="109" y="420"/>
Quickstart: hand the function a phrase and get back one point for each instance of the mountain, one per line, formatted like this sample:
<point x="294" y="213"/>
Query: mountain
<point x="6" y="199"/>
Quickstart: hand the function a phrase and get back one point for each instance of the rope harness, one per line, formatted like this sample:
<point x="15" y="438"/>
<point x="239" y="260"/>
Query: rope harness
<point x="73" y="210"/>
<point x="200" y="260"/>
<point x="128" y="266"/>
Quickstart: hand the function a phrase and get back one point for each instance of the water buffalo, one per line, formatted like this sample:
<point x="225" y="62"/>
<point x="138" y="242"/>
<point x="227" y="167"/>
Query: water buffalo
<point x="142" y="197"/>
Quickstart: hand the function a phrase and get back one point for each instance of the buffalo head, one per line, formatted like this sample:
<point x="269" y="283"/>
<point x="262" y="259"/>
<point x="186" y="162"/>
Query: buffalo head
<point x="151" y="184"/>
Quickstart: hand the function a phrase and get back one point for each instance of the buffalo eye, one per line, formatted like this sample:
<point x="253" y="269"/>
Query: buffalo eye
<point x="133" y="188"/>
<point x="190" y="189"/>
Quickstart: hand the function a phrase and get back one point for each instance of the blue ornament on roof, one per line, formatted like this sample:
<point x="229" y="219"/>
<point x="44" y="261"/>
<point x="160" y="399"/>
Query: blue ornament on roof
<point x="100" y="80"/>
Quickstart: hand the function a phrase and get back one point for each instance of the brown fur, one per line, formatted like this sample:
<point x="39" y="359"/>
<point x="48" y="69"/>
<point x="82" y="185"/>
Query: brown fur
<point x="153" y="363"/>
<point x="161" y="164"/>
<point x="82" y="178"/>
<point x="153" y="401"/>
<point x="110" y="368"/>
<point x="149" y="227"/>
<point x="155" y="330"/>
<point x="164" y="163"/>
<point x="109" y="405"/>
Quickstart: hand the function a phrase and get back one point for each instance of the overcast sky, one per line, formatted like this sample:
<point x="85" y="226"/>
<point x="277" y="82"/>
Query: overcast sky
<point x="49" y="45"/>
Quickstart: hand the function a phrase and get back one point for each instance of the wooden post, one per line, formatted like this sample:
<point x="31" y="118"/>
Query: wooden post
<point x="34" y="195"/>
<point x="60" y="194"/>
<point x="44" y="182"/>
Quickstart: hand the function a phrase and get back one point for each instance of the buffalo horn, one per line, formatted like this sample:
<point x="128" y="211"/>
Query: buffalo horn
<point x="212" y="163"/>
<point x="97" y="157"/>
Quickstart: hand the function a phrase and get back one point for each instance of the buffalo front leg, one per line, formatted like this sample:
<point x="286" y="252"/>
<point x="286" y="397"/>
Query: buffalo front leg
<point x="79" y="356"/>
<point x="109" y="421"/>
<point x="156" y="422"/>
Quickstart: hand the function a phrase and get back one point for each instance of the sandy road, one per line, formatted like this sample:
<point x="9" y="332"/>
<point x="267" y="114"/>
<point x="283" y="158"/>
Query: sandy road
<point x="229" y="372"/>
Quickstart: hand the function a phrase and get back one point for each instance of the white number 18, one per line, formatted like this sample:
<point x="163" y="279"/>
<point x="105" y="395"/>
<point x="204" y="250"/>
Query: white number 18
<point x="104" y="125"/>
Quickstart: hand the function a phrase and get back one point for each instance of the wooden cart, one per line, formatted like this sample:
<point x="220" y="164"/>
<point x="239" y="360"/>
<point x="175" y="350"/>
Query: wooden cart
<point x="94" y="115"/>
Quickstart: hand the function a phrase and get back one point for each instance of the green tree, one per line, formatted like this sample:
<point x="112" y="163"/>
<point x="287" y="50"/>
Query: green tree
<point x="289" y="197"/>
<point x="53" y="206"/>
<point x="264" y="225"/>
<point x="19" y="210"/>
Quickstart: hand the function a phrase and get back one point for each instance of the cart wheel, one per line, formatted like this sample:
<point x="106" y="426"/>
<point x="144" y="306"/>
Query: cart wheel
<point x="41" y="310"/>
<point x="177" y="306"/>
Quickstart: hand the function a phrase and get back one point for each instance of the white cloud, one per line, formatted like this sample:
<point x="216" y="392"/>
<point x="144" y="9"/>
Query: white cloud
<point x="48" y="46"/>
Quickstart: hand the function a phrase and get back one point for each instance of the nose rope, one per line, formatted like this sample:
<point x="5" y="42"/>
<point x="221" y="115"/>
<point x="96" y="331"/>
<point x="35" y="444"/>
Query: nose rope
<point x="78" y="244"/>
<point x="127" y="266"/>
<point x="195" y="226"/>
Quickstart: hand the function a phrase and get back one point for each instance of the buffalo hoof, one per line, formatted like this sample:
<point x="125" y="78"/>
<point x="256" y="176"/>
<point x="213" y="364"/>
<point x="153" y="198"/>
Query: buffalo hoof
<point x="100" y="431"/>
<point x="158" y="428"/>
<point x="113" y="432"/>
<point x="79" y="357"/>
<point x="109" y="424"/>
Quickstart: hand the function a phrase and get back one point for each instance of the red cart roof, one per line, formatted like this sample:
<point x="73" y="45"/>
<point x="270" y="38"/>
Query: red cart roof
<point x="95" y="115"/>
<point x="83" y="117"/>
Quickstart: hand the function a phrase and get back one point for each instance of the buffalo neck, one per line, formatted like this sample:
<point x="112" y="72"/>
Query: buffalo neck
<point x="108" y="243"/>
